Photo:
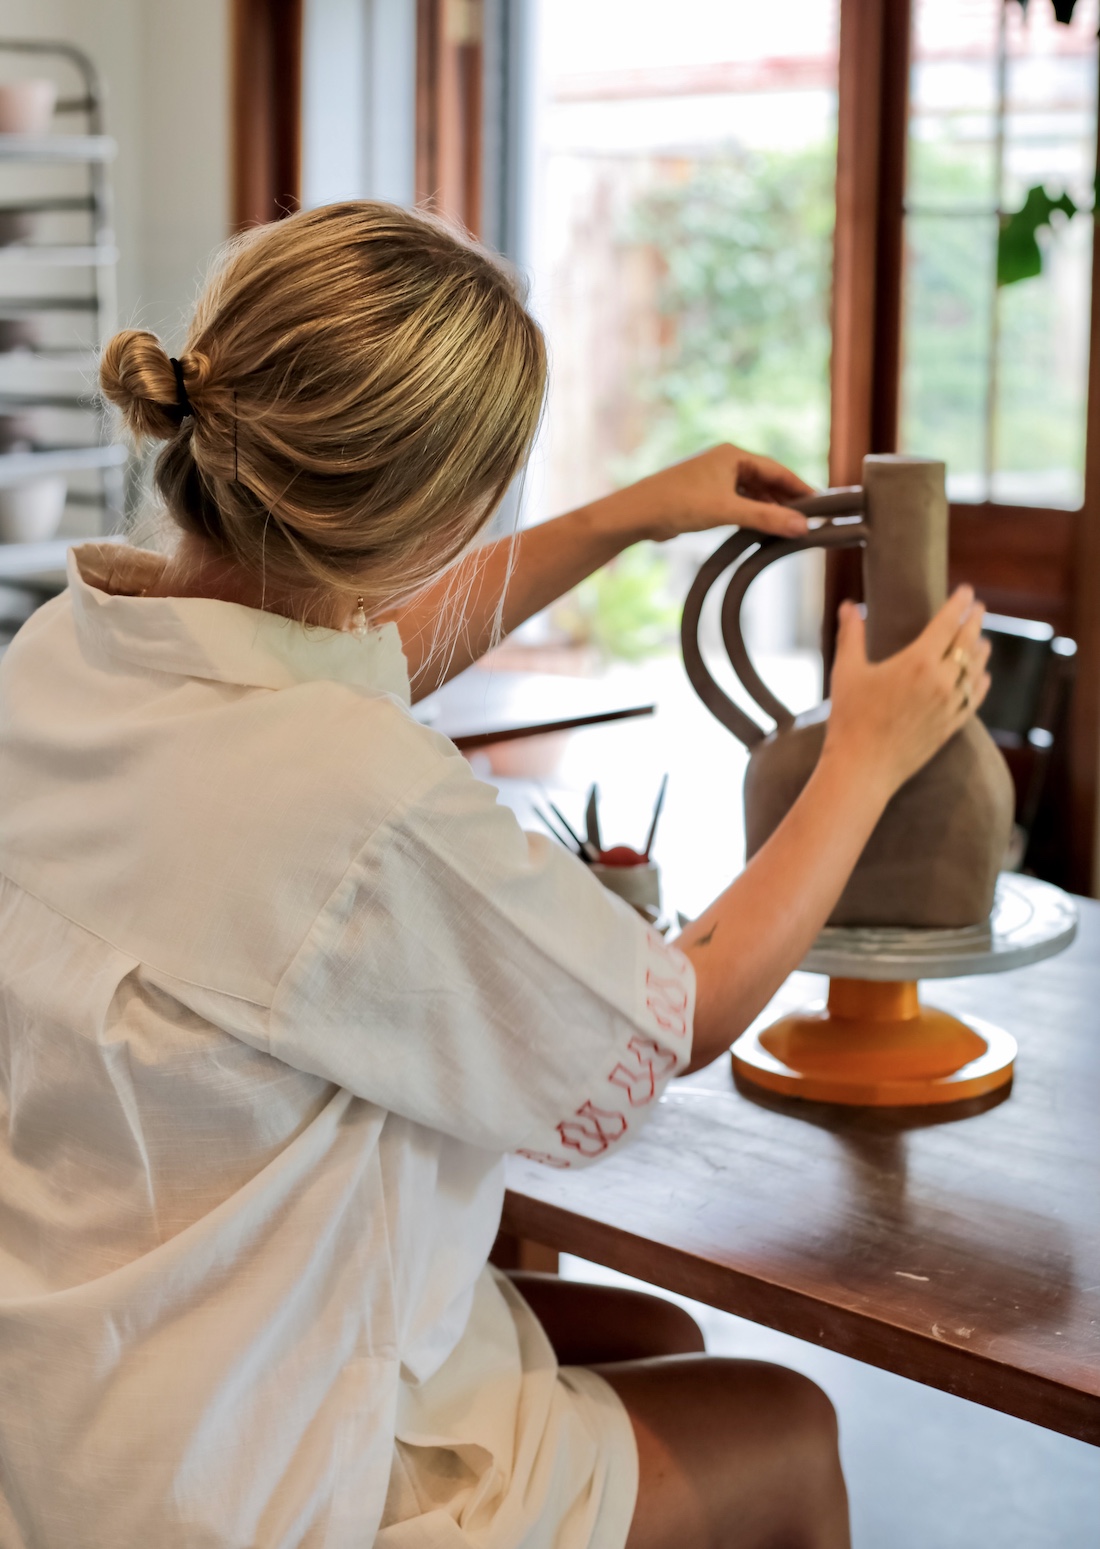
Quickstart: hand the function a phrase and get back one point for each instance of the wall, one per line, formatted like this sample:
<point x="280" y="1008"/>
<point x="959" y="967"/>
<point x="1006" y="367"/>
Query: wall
<point x="166" y="69"/>
<point x="185" y="152"/>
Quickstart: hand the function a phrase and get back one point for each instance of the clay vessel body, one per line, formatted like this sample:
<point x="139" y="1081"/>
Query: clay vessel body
<point x="935" y="853"/>
<point x="934" y="856"/>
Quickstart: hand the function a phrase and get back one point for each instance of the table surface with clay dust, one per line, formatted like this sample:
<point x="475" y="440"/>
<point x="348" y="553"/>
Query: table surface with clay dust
<point x="959" y="1247"/>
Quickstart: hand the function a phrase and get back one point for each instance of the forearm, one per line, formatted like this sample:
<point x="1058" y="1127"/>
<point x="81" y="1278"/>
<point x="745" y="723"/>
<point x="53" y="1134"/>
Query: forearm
<point x="531" y="571"/>
<point x="760" y="928"/>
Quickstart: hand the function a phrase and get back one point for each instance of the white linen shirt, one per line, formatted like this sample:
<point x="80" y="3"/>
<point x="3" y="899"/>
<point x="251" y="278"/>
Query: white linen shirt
<point x="280" y="984"/>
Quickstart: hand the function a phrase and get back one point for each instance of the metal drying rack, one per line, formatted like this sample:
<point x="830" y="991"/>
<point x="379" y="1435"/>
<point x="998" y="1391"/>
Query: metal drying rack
<point x="39" y="565"/>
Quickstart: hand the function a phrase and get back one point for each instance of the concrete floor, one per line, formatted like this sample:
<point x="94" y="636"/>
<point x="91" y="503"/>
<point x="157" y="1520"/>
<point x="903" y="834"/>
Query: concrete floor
<point x="925" y="1470"/>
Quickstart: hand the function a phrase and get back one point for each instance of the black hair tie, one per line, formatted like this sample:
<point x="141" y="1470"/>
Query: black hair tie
<point x="183" y="403"/>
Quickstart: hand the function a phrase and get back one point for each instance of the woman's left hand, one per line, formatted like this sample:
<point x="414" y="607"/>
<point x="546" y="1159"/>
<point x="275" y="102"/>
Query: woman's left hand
<point x="722" y="487"/>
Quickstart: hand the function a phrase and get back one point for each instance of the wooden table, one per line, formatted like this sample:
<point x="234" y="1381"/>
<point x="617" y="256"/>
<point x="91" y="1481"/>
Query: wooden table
<point x="958" y="1247"/>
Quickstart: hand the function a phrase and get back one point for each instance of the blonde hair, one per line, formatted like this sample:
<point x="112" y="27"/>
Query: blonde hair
<point x="364" y="385"/>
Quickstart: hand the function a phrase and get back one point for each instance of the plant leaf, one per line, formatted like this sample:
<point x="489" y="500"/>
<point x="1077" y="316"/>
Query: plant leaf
<point x="1063" y="10"/>
<point x="1018" y="253"/>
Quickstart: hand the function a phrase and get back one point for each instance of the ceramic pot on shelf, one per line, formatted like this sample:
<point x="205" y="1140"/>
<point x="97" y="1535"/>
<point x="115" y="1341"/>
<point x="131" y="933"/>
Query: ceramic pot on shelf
<point x="16" y="432"/>
<point x="16" y="227"/>
<point x="18" y="333"/>
<point x="31" y="512"/>
<point x="26" y="107"/>
<point x="934" y="856"/>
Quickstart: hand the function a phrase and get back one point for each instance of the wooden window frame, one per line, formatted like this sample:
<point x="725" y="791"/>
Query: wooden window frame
<point x="1030" y="562"/>
<point x="450" y="108"/>
<point x="266" y="84"/>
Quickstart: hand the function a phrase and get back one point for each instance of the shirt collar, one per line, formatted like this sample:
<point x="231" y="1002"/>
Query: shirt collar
<point x="199" y="637"/>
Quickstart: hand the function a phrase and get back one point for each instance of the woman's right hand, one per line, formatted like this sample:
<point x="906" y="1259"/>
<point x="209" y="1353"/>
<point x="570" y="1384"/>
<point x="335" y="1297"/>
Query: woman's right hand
<point x="888" y="718"/>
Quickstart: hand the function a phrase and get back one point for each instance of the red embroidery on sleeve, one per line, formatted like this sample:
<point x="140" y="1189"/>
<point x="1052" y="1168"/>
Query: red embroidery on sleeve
<point x="667" y="1002"/>
<point x="592" y="1129"/>
<point x="639" y="1081"/>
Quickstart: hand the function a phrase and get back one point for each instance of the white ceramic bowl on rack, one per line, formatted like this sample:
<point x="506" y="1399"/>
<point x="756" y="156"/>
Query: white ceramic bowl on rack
<point x="26" y="107"/>
<point x="16" y="431"/>
<point x="32" y="512"/>
<point x="16" y="226"/>
<point x="18" y="333"/>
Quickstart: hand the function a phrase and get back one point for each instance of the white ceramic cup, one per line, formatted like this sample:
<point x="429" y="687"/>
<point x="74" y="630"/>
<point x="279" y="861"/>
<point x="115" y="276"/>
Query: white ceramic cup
<point x="26" y="107"/>
<point x="31" y="512"/>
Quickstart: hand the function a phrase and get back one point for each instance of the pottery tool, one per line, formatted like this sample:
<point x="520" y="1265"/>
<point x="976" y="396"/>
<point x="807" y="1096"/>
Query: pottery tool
<point x="545" y="821"/>
<point x="592" y="819"/>
<point x="582" y="847"/>
<point x="656" y="814"/>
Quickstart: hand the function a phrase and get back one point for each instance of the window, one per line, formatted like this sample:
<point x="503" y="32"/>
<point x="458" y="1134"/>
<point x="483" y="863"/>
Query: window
<point x="994" y="377"/>
<point x="661" y="175"/>
<point x="680" y="238"/>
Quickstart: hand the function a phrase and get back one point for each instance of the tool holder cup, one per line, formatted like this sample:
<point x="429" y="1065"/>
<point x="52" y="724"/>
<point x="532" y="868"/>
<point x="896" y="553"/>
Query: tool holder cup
<point x="930" y="867"/>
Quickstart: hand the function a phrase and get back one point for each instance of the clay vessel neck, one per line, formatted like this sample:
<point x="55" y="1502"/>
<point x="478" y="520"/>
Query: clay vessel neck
<point x="905" y="560"/>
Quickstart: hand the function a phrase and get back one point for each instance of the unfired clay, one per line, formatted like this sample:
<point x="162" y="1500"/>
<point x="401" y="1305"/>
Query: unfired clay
<point x="934" y="855"/>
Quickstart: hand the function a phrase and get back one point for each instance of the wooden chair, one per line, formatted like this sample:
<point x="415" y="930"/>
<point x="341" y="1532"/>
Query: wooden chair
<point x="1026" y="712"/>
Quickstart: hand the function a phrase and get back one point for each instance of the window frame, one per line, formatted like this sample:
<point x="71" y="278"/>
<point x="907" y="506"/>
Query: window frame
<point x="266" y="110"/>
<point x="1026" y="561"/>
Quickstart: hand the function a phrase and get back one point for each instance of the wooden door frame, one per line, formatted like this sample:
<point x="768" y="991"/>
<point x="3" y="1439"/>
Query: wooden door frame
<point x="266" y="83"/>
<point x="1034" y="563"/>
<point x="449" y="108"/>
<point x="873" y="89"/>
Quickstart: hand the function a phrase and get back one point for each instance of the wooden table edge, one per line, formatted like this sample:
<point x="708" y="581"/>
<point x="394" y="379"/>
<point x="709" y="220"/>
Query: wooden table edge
<point x="848" y="1331"/>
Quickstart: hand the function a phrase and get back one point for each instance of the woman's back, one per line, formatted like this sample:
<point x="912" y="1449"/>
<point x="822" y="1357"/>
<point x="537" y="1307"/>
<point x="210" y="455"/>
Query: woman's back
<point x="251" y="1166"/>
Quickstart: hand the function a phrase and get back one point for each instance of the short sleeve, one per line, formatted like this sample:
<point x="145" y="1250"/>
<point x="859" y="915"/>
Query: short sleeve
<point x="479" y="980"/>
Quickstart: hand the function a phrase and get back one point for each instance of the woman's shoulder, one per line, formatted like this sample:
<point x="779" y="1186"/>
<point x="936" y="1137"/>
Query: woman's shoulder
<point x="199" y="824"/>
<point x="366" y="749"/>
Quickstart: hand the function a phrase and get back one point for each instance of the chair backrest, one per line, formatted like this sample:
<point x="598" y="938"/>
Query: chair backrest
<point x="1019" y="665"/>
<point x="1025" y="710"/>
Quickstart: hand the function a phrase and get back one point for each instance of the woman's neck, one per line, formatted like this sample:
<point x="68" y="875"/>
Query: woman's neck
<point x="197" y="570"/>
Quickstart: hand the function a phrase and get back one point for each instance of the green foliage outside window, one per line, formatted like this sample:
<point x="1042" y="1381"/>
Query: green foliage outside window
<point x="745" y="248"/>
<point x="952" y="264"/>
<point x="744" y="242"/>
<point x="624" y="609"/>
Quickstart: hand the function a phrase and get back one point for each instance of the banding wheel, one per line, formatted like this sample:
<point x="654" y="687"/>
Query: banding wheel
<point x="874" y="1043"/>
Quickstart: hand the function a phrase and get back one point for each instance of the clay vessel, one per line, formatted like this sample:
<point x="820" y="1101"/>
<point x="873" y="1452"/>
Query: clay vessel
<point x="934" y="856"/>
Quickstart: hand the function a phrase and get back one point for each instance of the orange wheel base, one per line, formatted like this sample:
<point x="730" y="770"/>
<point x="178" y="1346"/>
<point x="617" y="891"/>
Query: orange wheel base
<point x="875" y="1045"/>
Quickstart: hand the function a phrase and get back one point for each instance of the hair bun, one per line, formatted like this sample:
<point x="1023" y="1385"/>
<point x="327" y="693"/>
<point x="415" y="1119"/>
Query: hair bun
<point x="137" y="375"/>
